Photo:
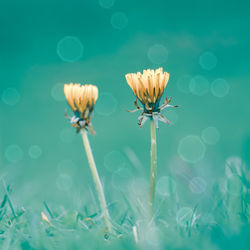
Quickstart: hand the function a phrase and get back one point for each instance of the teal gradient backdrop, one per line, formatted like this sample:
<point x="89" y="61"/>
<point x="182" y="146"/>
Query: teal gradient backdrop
<point x="204" y="45"/>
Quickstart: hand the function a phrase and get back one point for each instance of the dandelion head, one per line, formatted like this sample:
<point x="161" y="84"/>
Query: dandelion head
<point x="81" y="99"/>
<point x="148" y="88"/>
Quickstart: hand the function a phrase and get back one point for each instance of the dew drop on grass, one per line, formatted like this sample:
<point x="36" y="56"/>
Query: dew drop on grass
<point x="70" y="49"/>
<point x="198" y="185"/>
<point x="191" y="149"/>
<point x="184" y="216"/>
<point x="166" y="186"/>
<point x="14" y="153"/>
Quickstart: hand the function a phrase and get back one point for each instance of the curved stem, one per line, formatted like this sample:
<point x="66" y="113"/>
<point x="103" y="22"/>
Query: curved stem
<point x="153" y="167"/>
<point x="96" y="179"/>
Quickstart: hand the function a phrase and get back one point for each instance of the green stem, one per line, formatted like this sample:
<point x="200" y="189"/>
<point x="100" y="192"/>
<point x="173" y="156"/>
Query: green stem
<point x="153" y="167"/>
<point x="96" y="178"/>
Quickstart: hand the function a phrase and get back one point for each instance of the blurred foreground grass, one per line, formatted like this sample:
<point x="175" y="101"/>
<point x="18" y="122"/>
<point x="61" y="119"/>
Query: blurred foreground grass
<point x="219" y="221"/>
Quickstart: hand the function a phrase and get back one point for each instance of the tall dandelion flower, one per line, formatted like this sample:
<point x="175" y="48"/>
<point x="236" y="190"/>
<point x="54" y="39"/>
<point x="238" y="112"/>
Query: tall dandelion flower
<point x="148" y="88"/>
<point x="82" y="99"/>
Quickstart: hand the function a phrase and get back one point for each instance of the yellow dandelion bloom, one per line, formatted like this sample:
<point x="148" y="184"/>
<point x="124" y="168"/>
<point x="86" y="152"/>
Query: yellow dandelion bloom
<point x="148" y="87"/>
<point x="81" y="99"/>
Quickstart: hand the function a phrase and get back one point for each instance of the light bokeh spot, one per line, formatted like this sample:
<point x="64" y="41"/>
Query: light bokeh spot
<point x="119" y="20"/>
<point x="210" y="135"/>
<point x="158" y="54"/>
<point x="183" y="83"/>
<point x="199" y="85"/>
<point x="35" y="151"/>
<point x="106" y="104"/>
<point x="114" y="160"/>
<point x="10" y="96"/>
<point x="184" y="216"/>
<point x="70" y="49"/>
<point x="166" y="186"/>
<point x="106" y="4"/>
<point x="57" y="92"/>
<point x="14" y="153"/>
<point x="191" y="149"/>
<point x="198" y="185"/>
<point x="220" y="87"/>
<point x="208" y="60"/>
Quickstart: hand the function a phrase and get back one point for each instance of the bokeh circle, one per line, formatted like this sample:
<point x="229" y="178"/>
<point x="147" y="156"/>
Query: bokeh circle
<point x="191" y="149"/>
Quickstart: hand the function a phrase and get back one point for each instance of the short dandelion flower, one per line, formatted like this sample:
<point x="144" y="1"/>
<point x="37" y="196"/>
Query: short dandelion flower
<point x="81" y="99"/>
<point x="148" y="88"/>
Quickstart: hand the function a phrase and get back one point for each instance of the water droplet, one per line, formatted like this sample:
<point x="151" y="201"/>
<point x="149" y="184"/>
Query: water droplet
<point x="119" y="20"/>
<point x="106" y="104"/>
<point x="191" y="149"/>
<point x="166" y="186"/>
<point x="106" y="4"/>
<point x="35" y="151"/>
<point x="199" y="85"/>
<point x="220" y="87"/>
<point x="210" y="135"/>
<point x="158" y="54"/>
<point x="57" y="92"/>
<point x="114" y="160"/>
<point x="207" y="60"/>
<point x="183" y="84"/>
<point x="13" y="153"/>
<point x="198" y="185"/>
<point x="184" y="216"/>
<point x="10" y="96"/>
<point x="70" y="49"/>
<point x="64" y="182"/>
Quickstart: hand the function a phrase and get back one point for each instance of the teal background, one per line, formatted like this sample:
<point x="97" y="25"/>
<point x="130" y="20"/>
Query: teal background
<point x="106" y="46"/>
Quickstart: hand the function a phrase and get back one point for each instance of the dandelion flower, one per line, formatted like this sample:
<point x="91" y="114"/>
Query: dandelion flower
<point x="148" y="88"/>
<point x="81" y="99"/>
